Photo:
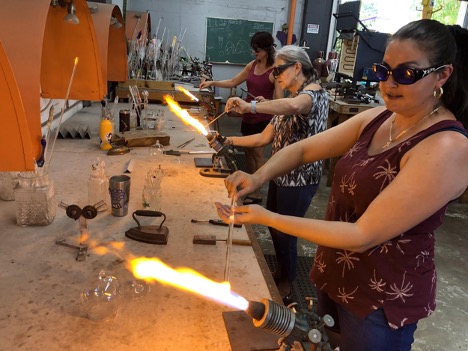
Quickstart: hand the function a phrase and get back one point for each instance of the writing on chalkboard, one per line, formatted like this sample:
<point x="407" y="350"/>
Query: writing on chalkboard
<point x="228" y="40"/>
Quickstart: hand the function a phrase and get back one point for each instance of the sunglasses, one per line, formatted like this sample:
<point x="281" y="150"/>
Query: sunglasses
<point x="256" y="49"/>
<point x="402" y="75"/>
<point x="277" y="70"/>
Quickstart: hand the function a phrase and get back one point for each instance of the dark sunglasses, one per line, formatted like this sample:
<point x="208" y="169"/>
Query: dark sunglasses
<point x="402" y="75"/>
<point x="277" y="70"/>
<point x="256" y="49"/>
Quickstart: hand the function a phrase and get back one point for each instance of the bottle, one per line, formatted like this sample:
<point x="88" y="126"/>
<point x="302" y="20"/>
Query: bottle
<point x="98" y="186"/>
<point x="318" y="63"/>
<point x="105" y="134"/>
<point x="330" y="66"/>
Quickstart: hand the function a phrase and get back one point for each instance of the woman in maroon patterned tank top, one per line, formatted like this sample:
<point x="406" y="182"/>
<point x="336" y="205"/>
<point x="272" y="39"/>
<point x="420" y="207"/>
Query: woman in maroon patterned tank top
<point x="400" y="166"/>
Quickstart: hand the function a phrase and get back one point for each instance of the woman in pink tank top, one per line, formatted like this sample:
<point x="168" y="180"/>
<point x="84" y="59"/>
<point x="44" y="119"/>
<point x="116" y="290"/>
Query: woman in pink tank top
<point x="261" y="86"/>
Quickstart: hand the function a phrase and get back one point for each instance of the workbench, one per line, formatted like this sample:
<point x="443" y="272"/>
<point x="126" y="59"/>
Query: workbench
<point x="40" y="307"/>
<point x="340" y="111"/>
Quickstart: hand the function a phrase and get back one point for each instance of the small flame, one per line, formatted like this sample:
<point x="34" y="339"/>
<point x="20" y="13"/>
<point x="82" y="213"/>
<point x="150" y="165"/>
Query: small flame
<point x="187" y="279"/>
<point x="174" y="107"/>
<point x="76" y="61"/>
<point x="188" y="93"/>
<point x="111" y="247"/>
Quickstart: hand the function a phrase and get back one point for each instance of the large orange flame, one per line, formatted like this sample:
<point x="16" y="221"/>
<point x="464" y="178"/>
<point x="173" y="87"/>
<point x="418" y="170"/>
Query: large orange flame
<point x="187" y="279"/>
<point x="188" y="93"/>
<point x="174" y="107"/>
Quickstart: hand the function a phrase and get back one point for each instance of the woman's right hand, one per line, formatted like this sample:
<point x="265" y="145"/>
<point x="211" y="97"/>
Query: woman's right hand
<point x="239" y="184"/>
<point x="237" y="105"/>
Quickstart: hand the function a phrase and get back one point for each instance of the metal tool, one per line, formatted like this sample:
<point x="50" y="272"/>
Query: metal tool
<point x="82" y="215"/>
<point x="251" y="95"/>
<point x="151" y="234"/>
<point x="211" y="240"/>
<point x="292" y="325"/>
<point x="215" y="222"/>
<point x="181" y="146"/>
<point x="186" y="152"/>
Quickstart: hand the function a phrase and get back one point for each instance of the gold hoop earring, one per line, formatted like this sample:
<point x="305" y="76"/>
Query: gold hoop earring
<point x="438" y="93"/>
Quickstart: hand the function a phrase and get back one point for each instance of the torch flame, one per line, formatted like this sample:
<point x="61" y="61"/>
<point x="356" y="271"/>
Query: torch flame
<point x="174" y="107"/>
<point x="187" y="279"/>
<point x="188" y="93"/>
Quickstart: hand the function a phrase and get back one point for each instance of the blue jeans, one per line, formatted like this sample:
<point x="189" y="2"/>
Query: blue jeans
<point x="369" y="334"/>
<point x="291" y="201"/>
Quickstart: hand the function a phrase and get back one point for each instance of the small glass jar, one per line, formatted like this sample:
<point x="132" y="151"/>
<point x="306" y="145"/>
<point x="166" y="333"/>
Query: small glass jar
<point x="35" y="199"/>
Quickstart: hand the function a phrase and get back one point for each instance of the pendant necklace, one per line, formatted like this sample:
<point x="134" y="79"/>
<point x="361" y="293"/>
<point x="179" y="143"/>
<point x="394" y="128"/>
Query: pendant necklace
<point x="391" y="140"/>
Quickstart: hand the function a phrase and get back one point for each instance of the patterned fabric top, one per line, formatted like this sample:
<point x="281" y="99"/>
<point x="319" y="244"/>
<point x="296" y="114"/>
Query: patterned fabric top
<point x="258" y="85"/>
<point x="398" y="275"/>
<point x="289" y="129"/>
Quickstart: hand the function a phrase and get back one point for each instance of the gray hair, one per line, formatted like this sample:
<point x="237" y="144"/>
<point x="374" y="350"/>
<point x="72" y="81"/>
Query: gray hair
<point x="293" y="53"/>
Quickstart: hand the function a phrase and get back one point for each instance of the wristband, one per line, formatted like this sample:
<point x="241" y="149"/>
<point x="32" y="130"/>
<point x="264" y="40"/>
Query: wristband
<point x="253" y="105"/>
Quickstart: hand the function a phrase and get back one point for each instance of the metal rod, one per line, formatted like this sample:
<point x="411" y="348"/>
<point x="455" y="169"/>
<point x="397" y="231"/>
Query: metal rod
<point x="251" y="95"/>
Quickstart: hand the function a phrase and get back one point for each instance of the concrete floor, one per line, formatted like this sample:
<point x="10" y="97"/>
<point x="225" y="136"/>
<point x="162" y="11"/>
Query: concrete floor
<point x="447" y="328"/>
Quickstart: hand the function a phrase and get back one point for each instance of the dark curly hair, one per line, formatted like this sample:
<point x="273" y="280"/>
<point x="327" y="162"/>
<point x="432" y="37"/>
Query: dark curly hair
<point x="264" y="41"/>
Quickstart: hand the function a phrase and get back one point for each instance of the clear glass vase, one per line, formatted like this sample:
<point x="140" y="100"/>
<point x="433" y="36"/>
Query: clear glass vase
<point x="98" y="186"/>
<point x="35" y="199"/>
<point x="152" y="191"/>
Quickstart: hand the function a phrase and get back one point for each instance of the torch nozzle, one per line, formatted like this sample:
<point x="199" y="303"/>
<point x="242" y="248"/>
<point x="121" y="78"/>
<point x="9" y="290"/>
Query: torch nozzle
<point x="256" y="310"/>
<point x="216" y="141"/>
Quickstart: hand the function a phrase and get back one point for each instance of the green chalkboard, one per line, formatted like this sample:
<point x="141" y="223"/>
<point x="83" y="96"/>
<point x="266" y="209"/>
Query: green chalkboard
<point x="228" y="40"/>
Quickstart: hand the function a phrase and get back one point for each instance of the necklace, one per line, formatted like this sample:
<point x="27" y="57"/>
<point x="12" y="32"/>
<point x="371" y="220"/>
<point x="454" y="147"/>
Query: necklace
<point x="391" y="140"/>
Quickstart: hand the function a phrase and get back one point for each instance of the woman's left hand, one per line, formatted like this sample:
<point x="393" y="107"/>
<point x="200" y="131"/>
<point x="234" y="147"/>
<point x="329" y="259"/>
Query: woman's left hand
<point x="251" y="214"/>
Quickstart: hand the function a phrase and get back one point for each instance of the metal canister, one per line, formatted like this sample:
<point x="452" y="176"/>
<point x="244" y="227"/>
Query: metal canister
<point x="124" y="121"/>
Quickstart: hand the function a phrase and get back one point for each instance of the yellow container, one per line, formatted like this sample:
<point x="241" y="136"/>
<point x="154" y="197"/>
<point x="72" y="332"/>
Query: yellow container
<point x="105" y="134"/>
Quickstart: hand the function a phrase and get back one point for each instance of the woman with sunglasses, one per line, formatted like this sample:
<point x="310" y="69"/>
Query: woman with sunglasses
<point x="301" y="115"/>
<point x="400" y="167"/>
<point x="260" y="86"/>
